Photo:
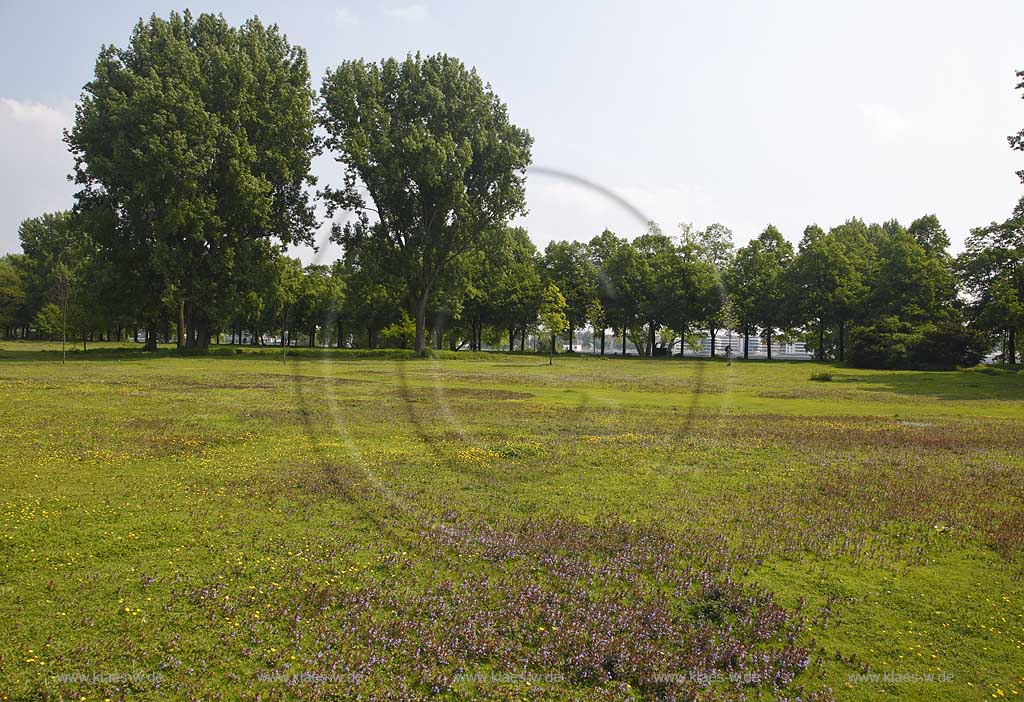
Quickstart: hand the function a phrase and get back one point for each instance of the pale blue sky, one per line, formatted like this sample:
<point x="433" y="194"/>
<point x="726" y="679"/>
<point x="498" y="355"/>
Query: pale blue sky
<point x="739" y="112"/>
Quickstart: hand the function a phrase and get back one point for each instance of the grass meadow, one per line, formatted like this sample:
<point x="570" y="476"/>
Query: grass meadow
<point x="337" y="525"/>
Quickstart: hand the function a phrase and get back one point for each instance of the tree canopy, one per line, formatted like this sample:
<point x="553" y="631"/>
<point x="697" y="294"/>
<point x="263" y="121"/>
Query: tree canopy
<point x="430" y="151"/>
<point x="191" y="146"/>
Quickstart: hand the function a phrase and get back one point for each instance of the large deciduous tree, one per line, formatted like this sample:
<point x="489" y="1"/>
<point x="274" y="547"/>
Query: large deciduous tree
<point x="992" y="270"/>
<point x="518" y="291"/>
<point x="709" y="257"/>
<point x="829" y="279"/>
<point x="910" y="281"/>
<point x="604" y="310"/>
<point x="12" y="292"/>
<point x="568" y="264"/>
<point x="757" y="281"/>
<point x="190" y="144"/>
<point x="430" y="150"/>
<point x="63" y="268"/>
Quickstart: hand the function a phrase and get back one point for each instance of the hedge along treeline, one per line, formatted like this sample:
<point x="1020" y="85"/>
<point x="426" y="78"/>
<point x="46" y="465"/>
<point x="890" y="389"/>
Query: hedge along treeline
<point x="192" y="149"/>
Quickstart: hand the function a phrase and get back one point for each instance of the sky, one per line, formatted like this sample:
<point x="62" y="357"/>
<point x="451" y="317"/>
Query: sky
<point x="744" y="113"/>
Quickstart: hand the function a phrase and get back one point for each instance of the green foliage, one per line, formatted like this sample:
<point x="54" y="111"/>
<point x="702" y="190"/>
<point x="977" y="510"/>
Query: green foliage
<point x="192" y="146"/>
<point x="910" y="282"/>
<point x="715" y="246"/>
<point x="552" y="311"/>
<point x="991" y="269"/>
<point x="895" y="343"/>
<point x="12" y="291"/>
<point x="515" y="292"/>
<point x="1017" y="140"/>
<point x="930" y="235"/>
<point x="438" y="156"/>
<point x="568" y="265"/>
<point x="759" y="284"/>
<point x="50" y="321"/>
<point x="62" y="265"/>
<point x="829" y="279"/>
<point x="400" y="334"/>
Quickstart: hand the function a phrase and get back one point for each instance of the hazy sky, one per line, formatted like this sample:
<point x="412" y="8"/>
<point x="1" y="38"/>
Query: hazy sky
<point x="739" y="112"/>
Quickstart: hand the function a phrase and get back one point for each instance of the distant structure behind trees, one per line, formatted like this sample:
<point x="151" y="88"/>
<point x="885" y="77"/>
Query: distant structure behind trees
<point x="192" y="150"/>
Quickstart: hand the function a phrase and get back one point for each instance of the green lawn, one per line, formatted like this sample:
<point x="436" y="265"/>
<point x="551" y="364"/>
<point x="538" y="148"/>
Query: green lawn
<point x="343" y="525"/>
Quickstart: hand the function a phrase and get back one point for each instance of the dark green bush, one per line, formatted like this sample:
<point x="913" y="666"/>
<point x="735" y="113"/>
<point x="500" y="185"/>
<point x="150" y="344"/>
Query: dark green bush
<point x="950" y="344"/>
<point x="893" y="343"/>
<point x="885" y="344"/>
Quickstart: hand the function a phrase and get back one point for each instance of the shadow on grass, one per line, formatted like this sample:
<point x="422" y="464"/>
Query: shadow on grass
<point x="47" y="352"/>
<point x="969" y="384"/>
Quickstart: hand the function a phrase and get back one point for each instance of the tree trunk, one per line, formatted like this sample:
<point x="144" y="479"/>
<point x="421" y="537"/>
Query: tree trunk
<point x="821" y="340"/>
<point x="768" y="336"/>
<point x="511" y="339"/>
<point x="312" y="337"/>
<point x="842" y="340"/>
<point x="200" y="332"/>
<point x="522" y="341"/>
<point x="191" y="327"/>
<point x="1012" y="347"/>
<point x="571" y="335"/>
<point x="602" y="342"/>
<point x="181" y="325"/>
<point x="421" y="325"/>
<point x="746" y="342"/>
<point x="650" y="338"/>
<point x="714" y="333"/>
<point x="623" y="330"/>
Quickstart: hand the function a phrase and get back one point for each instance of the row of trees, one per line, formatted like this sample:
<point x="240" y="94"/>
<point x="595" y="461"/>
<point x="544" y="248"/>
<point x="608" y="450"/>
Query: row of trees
<point x="888" y="283"/>
<point x="192" y="150"/>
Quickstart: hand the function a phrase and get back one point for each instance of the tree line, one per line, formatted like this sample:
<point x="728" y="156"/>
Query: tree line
<point x="885" y="293"/>
<point x="192" y="151"/>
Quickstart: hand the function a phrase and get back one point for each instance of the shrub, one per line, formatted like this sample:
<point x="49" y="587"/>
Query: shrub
<point x="949" y="344"/>
<point x="885" y="344"/>
<point x="401" y="334"/>
<point x="50" y="321"/>
<point x="893" y="343"/>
